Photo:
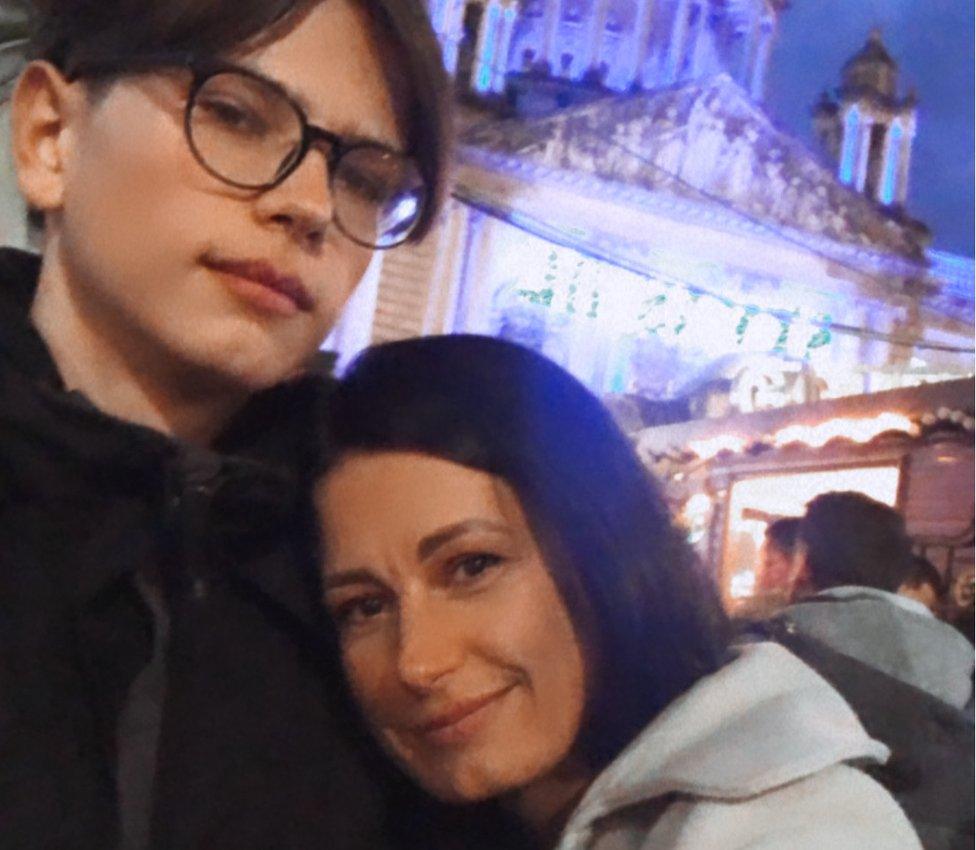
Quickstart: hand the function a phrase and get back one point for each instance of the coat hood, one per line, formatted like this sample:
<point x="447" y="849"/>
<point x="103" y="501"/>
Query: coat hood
<point x="895" y="635"/>
<point x="764" y="720"/>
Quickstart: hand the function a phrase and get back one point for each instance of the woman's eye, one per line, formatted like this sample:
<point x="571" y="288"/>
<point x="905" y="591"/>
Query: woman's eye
<point x="359" y="611"/>
<point x="473" y="566"/>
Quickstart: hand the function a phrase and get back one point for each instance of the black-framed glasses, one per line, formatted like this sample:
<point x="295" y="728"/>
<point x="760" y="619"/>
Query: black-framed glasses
<point x="247" y="131"/>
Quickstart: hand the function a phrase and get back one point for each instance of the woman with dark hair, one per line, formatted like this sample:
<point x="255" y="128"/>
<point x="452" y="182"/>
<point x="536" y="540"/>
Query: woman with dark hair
<point x="519" y="620"/>
<point x="212" y="179"/>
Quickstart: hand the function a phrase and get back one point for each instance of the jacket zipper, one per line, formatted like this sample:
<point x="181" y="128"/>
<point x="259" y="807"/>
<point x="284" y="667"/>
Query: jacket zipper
<point x="199" y="482"/>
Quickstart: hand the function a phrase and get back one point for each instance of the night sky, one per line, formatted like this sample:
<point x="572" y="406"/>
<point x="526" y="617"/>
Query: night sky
<point x="932" y="41"/>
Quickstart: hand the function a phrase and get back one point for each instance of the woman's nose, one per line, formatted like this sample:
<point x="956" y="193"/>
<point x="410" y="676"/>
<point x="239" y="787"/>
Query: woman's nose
<point x="302" y="204"/>
<point x="431" y="647"/>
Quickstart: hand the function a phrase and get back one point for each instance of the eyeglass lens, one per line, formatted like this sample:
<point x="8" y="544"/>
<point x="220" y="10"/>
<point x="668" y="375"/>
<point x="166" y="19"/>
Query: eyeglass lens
<point x="248" y="134"/>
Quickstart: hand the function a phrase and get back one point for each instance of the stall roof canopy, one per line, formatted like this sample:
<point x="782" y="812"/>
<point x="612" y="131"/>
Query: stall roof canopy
<point x="858" y="418"/>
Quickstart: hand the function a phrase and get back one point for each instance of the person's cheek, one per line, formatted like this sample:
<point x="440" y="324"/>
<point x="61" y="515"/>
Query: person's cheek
<point x="368" y="674"/>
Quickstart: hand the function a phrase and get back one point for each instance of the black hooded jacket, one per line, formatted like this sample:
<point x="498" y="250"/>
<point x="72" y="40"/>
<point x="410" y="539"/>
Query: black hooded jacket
<point x="256" y="747"/>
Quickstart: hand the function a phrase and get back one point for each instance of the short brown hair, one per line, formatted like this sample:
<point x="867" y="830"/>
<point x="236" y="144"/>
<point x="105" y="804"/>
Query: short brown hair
<point x="851" y="539"/>
<point x="783" y="532"/>
<point x="75" y="33"/>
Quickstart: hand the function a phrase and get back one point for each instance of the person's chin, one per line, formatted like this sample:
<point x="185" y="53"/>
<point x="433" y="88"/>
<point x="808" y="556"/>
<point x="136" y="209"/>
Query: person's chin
<point x="258" y="357"/>
<point x="244" y="369"/>
<point x="478" y="774"/>
<point x="458" y="789"/>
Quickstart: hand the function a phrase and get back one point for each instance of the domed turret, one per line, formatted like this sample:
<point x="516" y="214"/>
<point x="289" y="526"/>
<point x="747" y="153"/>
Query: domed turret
<point x="866" y="128"/>
<point x="871" y="71"/>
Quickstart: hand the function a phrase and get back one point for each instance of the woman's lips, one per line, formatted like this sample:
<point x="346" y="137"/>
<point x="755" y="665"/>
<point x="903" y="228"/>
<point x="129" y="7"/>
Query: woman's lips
<point x="461" y="721"/>
<point x="286" y="293"/>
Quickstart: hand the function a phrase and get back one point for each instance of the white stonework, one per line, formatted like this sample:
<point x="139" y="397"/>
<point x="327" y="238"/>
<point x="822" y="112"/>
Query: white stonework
<point x="692" y="193"/>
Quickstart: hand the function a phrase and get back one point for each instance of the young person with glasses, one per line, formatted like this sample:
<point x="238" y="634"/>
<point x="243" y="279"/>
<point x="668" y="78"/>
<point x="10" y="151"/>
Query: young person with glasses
<point x="212" y="179"/>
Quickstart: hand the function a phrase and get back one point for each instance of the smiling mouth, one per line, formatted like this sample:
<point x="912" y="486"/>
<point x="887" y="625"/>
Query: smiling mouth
<point x="265" y="275"/>
<point x="461" y="721"/>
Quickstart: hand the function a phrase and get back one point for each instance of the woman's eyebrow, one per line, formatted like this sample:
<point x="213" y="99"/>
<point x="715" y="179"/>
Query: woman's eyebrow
<point x="347" y="577"/>
<point x="432" y="542"/>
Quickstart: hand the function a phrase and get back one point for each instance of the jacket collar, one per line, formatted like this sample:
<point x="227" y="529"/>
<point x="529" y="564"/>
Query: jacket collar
<point x="20" y="342"/>
<point x="255" y="463"/>
<point x="880" y="630"/>
<point x="851" y="591"/>
<point x="763" y="720"/>
<point x="36" y="400"/>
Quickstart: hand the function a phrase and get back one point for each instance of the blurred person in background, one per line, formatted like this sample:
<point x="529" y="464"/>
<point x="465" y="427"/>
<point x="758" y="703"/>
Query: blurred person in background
<point x="521" y="622"/>
<point x="856" y="555"/>
<point x="776" y="557"/>
<point x="777" y="576"/>
<point x="925" y="585"/>
<point x="211" y="180"/>
<point x="906" y="673"/>
<point x="962" y="593"/>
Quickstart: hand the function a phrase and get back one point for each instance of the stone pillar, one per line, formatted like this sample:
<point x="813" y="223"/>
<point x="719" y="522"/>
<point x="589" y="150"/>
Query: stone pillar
<point x="596" y="29"/>
<point x="760" y="62"/>
<point x="751" y="45"/>
<point x="452" y="17"/>
<point x="445" y="275"/>
<point x="863" y="152"/>
<point x="550" y="28"/>
<point x="482" y="69"/>
<point x="850" y="128"/>
<point x="888" y="169"/>
<point x="698" y="41"/>
<point x="506" y="30"/>
<point x="904" y="159"/>
<point x="679" y="39"/>
<point x="641" y="43"/>
<point x="472" y="311"/>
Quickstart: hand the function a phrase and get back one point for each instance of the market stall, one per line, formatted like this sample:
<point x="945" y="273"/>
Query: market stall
<point x="728" y="477"/>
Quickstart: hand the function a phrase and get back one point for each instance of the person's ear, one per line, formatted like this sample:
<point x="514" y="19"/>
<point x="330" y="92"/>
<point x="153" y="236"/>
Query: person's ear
<point x="798" y="573"/>
<point x="42" y="106"/>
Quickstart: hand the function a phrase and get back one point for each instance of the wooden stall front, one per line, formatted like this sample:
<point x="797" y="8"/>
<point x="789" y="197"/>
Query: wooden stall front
<point x="727" y="478"/>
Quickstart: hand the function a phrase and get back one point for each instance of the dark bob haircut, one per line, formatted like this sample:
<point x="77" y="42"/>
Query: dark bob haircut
<point x="851" y="539"/>
<point x="75" y="33"/>
<point x="647" y="618"/>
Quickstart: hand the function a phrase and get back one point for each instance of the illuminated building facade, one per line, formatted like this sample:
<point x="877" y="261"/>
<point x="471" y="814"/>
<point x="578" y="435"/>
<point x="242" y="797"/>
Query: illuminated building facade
<point x="620" y="45"/>
<point x="767" y="323"/>
<point x="623" y="204"/>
